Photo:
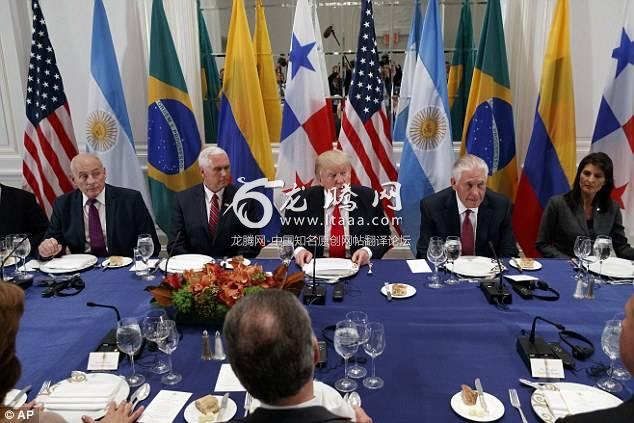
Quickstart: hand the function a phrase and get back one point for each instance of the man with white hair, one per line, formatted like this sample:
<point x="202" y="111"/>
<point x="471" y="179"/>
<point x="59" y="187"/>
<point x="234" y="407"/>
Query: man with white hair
<point x="201" y="217"/>
<point x="469" y="210"/>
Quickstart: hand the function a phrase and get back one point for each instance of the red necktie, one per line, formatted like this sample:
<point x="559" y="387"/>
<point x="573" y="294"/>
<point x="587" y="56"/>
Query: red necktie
<point x="337" y="237"/>
<point x="97" y="241"/>
<point x="467" y="238"/>
<point x="214" y="215"/>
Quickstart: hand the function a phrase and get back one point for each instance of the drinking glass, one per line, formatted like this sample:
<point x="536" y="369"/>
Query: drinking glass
<point x="619" y="372"/>
<point x="22" y="247"/>
<point x="610" y="345"/>
<point x="129" y="341"/>
<point x="374" y="348"/>
<point x="168" y="345"/>
<point x="146" y="248"/>
<point x="346" y="344"/>
<point x="155" y="330"/>
<point x="4" y="250"/>
<point x="360" y="319"/>
<point x="285" y="248"/>
<point x="436" y="255"/>
<point x="453" y="248"/>
<point x="602" y="248"/>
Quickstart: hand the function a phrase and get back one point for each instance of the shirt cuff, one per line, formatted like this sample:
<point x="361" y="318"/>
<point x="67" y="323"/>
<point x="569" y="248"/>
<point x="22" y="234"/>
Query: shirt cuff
<point x="367" y="249"/>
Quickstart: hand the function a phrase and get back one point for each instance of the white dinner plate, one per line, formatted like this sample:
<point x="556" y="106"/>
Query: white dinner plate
<point x="411" y="291"/>
<point x="472" y="412"/>
<point x="474" y="266"/>
<point x="589" y="399"/>
<point x="69" y="263"/>
<point x="11" y="395"/>
<point x="613" y="267"/>
<point x="10" y="261"/>
<point x="331" y="268"/>
<point x="535" y="265"/>
<point x="180" y="263"/>
<point x="125" y="262"/>
<point x="227" y="263"/>
<point x="192" y="414"/>
<point x="74" y="415"/>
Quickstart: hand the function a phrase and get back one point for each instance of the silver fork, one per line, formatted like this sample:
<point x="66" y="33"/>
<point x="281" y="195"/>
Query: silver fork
<point x="515" y="402"/>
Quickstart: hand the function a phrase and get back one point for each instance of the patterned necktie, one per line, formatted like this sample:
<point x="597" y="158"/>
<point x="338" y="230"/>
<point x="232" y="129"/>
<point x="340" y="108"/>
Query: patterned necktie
<point x="97" y="241"/>
<point x="214" y="215"/>
<point x="337" y="237"/>
<point x="467" y="238"/>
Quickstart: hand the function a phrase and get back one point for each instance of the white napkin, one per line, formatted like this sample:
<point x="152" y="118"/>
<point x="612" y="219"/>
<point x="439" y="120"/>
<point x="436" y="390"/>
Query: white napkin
<point x="566" y="401"/>
<point x="185" y="264"/>
<point x="556" y="403"/>
<point x="94" y="395"/>
<point x="330" y="265"/>
<point x="69" y="263"/>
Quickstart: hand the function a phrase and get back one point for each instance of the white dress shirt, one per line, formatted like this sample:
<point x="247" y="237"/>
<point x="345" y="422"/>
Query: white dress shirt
<point x="100" y="204"/>
<point x="208" y="197"/>
<point x="473" y="217"/>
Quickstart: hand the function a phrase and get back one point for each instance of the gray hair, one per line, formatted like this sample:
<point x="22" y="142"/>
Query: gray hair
<point x="83" y="155"/>
<point x="212" y="150"/>
<point x="468" y="162"/>
<point x="269" y="340"/>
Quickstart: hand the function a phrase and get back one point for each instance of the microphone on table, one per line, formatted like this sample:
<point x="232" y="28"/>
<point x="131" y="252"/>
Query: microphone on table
<point x="531" y="346"/>
<point x="314" y="294"/>
<point x="109" y="342"/>
<point x="496" y="293"/>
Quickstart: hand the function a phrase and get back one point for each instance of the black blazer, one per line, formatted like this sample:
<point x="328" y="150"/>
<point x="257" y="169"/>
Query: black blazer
<point x="126" y="218"/>
<point x="190" y="219"/>
<point x="624" y="413"/>
<point x="369" y="221"/>
<point x="20" y="214"/>
<point x="315" y="414"/>
<point x="439" y="217"/>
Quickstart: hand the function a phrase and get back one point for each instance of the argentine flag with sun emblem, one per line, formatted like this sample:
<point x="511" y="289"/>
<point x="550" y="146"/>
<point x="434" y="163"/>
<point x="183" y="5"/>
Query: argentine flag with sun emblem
<point x="108" y="130"/>
<point x="427" y="149"/>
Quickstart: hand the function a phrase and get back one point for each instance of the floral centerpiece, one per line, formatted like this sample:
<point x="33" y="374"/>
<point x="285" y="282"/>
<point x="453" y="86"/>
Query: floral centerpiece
<point x="207" y="295"/>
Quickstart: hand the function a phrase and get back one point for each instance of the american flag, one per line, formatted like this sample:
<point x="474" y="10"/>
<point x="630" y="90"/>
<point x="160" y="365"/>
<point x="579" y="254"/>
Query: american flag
<point x="365" y="130"/>
<point x="49" y="141"/>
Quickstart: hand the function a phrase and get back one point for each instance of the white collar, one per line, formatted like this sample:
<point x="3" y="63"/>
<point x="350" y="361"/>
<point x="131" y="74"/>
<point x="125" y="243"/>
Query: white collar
<point x="209" y="193"/>
<point x="310" y="403"/>
<point x="462" y="208"/>
<point x="101" y="198"/>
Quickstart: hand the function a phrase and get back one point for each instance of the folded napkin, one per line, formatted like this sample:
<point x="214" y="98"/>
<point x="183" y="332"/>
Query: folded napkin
<point x="69" y="263"/>
<point x="93" y="395"/>
<point x="338" y="265"/>
<point x="75" y="406"/>
<point x="564" y="402"/>
<point x="185" y="264"/>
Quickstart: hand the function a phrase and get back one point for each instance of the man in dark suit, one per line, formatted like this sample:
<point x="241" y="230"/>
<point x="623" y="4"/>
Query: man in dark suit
<point x="343" y="216"/>
<point x="469" y="210"/>
<point x="273" y="352"/>
<point x="20" y="214"/>
<point x="623" y="413"/>
<point x="204" y="217"/>
<point x="97" y="218"/>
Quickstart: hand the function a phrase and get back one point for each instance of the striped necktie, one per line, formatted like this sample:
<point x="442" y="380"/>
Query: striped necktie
<point x="214" y="215"/>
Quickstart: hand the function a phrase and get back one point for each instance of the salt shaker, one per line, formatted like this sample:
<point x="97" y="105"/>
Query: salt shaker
<point x="219" y="351"/>
<point x="206" y="354"/>
<point x="579" y="294"/>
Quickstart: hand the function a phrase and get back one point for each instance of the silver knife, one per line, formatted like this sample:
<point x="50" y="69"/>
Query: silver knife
<point x="478" y="386"/>
<point x="388" y="291"/>
<point x="17" y="397"/>
<point x="223" y="404"/>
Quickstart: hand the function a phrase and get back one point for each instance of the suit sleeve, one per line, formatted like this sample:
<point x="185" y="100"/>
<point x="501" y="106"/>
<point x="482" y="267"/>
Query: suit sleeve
<point x="55" y="229"/>
<point x="547" y="228"/>
<point x="146" y="223"/>
<point x="177" y="225"/>
<point x="251" y="250"/>
<point x="508" y="245"/>
<point x="426" y="228"/>
<point x="619" y="241"/>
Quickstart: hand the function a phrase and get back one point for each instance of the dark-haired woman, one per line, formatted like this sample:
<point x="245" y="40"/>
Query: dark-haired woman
<point x="587" y="210"/>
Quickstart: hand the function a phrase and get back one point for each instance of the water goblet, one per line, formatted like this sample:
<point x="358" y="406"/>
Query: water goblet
<point x="359" y="318"/>
<point x="436" y="255"/>
<point x="154" y="330"/>
<point x="374" y="347"/>
<point x="346" y="342"/>
<point x="168" y="345"/>
<point x="21" y="248"/>
<point x="602" y="249"/>
<point x="610" y="345"/>
<point x="453" y="248"/>
<point x="620" y="372"/>
<point x="145" y="244"/>
<point x="129" y="340"/>
<point x="285" y="248"/>
<point x="582" y="250"/>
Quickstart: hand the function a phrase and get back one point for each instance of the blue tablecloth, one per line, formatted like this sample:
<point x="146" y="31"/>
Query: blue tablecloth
<point x="436" y="340"/>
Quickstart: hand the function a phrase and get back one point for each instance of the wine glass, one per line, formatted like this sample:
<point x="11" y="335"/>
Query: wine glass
<point x="453" y="248"/>
<point x="602" y="248"/>
<point x="619" y="372"/>
<point x="374" y="348"/>
<point x="436" y="255"/>
<point x="285" y="248"/>
<point x="346" y="344"/>
<point x="129" y="341"/>
<point x="21" y="248"/>
<point x="582" y="250"/>
<point x="360" y="319"/>
<point x="154" y="330"/>
<point x="168" y="345"/>
<point x="610" y="344"/>
<point x="145" y="244"/>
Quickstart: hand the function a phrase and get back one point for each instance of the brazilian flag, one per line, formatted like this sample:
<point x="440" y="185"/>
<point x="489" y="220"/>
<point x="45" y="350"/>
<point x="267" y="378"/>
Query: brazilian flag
<point x="210" y="81"/>
<point x="461" y="71"/>
<point x="489" y="131"/>
<point x="173" y="138"/>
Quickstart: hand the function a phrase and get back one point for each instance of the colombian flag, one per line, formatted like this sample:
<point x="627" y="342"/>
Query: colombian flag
<point x="549" y="167"/>
<point x="489" y="132"/>
<point x="173" y="138"/>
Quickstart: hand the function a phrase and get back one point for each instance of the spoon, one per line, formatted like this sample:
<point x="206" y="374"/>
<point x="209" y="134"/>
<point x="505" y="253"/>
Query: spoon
<point x="141" y="393"/>
<point x="354" y="399"/>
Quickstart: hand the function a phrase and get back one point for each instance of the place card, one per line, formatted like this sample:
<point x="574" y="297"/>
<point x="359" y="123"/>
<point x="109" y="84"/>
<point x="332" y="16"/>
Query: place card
<point x="419" y="266"/>
<point x="103" y="361"/>
<point x="521" y="278"/>
<point x="547" y="368"/>
<point x="164" y="407"/>
<point x="227" y="380"/>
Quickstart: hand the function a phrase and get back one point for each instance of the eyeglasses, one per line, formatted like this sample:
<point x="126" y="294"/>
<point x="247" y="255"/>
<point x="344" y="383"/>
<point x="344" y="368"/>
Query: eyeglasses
<point x="63" y="288"/>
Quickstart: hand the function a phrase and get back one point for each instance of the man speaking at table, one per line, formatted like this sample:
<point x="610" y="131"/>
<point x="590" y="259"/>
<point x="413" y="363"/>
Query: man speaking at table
<point x="469" y="210"/>
<point x="96" y="218"/>
<point x="343" y="216"/>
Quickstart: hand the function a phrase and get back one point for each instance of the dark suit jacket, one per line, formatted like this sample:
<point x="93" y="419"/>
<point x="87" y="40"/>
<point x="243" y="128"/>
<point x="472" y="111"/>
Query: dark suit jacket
<point x="439" y="217"/>
<point x="190" y="219"/>
<point x="368" y="220"/>
<point x="126" y="219"/>
<point x="624" y="413"/>
<point x="20" y="214"/>
<point x="563" y="220"/>
<point x="314" y="414"/>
